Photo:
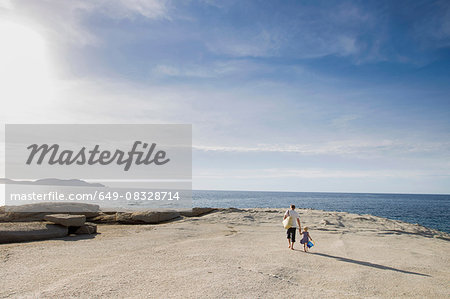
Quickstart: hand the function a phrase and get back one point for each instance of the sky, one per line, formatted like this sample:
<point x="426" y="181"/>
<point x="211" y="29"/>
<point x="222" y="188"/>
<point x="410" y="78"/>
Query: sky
<point x="315" y="96"/>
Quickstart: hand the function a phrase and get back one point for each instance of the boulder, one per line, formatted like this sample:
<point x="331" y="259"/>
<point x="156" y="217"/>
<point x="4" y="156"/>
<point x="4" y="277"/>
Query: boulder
<point x="104" y="218"/>
<point x="195" y="212"/>
<point x="86" y="229"/>
<point x="151" y="217"/>
<point x="66" y="219"/>
<point x="30" y="231"/>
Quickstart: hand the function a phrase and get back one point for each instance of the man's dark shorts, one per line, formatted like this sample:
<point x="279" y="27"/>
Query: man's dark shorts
<point x="291" y="233"/>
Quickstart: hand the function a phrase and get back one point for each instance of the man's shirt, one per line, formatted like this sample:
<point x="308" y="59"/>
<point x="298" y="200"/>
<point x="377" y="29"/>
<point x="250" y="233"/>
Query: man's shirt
<point x="294" y="216"/>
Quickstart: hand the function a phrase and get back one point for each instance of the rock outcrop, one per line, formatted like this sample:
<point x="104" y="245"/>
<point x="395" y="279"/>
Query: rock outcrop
<point x="109" y="217"/>
<point x="30" y="231"/>
<point x="86" y="229"/>
<point x="150" y="217"/>
<point x="66" y="219"/>
<point x="37" y="212"/>
<point x="195" y="212"/>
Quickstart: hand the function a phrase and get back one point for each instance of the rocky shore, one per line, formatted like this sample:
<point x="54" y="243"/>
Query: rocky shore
<point x="44" y="221"/>
<point x="233" y="253"/>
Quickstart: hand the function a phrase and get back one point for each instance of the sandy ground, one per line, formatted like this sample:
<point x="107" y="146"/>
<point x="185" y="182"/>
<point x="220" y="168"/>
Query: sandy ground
<point x="234" y="254"/>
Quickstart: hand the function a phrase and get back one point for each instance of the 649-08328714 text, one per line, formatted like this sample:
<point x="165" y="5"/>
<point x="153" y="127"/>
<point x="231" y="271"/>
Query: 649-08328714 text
<point x="98" y="195"/>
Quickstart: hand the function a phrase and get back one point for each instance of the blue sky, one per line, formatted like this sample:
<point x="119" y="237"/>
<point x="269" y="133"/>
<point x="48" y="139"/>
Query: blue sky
<point x="344" y="96"/>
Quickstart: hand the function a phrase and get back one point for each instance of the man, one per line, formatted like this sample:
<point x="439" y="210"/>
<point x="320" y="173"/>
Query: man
<point x="291" y="231"/>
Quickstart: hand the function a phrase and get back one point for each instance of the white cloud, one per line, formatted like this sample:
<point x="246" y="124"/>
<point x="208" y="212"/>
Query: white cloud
<point x="309" y="33"/>
<point x="264" y="43"/>
<point x="6" y="4"/>
<point x="26" y="72"/>
<point x="310" y="113"/>
<point x="361" y="148"/>
<point x="64" y="21"/>
<point x="192" y="71"/>
<point x="216" y="69"/>
<point x="311" y="173"/>
<point x="128" y="9"/>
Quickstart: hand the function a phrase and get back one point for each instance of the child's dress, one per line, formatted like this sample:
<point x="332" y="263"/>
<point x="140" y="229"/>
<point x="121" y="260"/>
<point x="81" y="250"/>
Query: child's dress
<point x="305" y="238"/>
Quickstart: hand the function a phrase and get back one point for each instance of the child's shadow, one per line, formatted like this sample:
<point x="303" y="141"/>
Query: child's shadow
<point x="367" y="264"/>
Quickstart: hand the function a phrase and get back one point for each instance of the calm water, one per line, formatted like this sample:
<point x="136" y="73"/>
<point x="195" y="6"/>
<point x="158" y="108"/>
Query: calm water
<point x="429" y="210"/>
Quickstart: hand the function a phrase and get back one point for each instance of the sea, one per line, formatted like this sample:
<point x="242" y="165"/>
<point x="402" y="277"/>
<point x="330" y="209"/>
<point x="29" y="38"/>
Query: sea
<point x="430" y="210"/>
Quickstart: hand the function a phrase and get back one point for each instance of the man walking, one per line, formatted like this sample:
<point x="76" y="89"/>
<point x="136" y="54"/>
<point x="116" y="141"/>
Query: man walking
<point x="295" y="220"/>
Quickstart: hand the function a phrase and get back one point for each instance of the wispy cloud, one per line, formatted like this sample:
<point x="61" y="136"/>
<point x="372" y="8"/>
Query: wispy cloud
<point x="215" y="69"/>
<point x="66" y="22"/>
<point x="6" y="4"/>
<point x="344" y="147"/>
<point x="297" y="80"/>
<point x="194" y="71"/>
<point x="432" y="29"/>
<point x="314" y="173"/>
<point x="129" y="9"/>
<point x="303" y="32"/>
<point x="262" y="44"/>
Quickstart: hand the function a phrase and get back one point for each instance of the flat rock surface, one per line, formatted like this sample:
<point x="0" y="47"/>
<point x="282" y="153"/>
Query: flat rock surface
<point x="150" y="217"/>
<point x="235" y="254"/>
<point x="30" y="231"/>
<point x="195" y="212"/>
<point x="66" y="219"/>
<point x="37" y="212"/>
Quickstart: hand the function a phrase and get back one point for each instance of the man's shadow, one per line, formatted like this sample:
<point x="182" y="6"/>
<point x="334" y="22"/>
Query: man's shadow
<point x="343" y="259"/>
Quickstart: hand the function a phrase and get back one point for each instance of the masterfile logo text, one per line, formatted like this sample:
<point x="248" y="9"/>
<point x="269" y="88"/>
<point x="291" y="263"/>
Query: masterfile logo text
<point x="99" y="151"/>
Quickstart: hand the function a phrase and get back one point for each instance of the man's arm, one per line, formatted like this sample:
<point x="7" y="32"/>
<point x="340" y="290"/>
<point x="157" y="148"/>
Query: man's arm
<point x="299" y="225"/>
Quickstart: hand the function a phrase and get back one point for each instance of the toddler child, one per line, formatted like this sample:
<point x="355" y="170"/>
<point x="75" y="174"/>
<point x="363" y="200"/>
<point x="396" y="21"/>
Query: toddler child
<point x="305" y="239"/>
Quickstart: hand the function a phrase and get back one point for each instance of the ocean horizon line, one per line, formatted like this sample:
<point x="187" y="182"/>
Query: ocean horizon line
<point x="323" y="192"/>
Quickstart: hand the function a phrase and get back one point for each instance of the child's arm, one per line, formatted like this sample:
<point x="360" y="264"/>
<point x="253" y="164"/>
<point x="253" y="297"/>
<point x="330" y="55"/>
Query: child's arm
<point x="309" y="236"/>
